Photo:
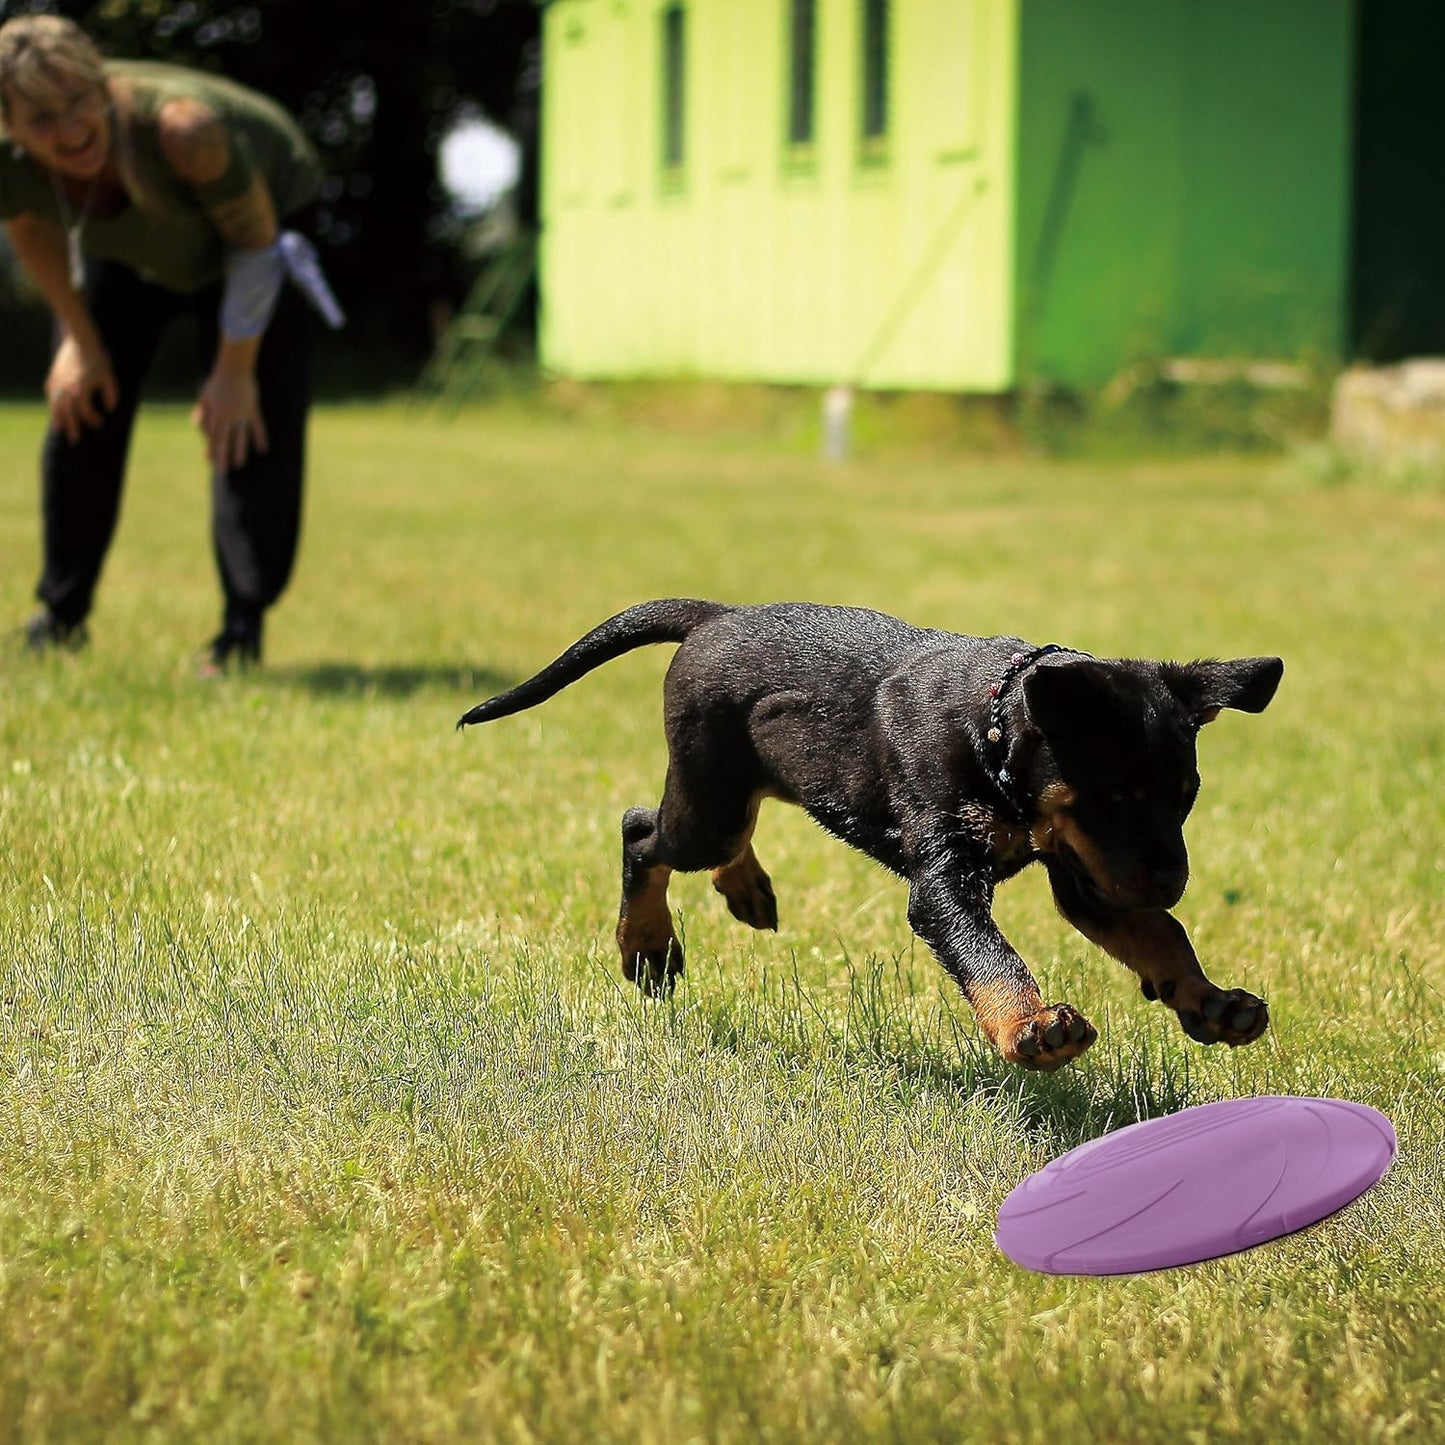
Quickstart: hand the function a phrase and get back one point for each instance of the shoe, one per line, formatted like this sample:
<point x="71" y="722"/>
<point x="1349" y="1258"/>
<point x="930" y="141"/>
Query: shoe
<point x="45" y="632"/>
<point x="236" y="646"/>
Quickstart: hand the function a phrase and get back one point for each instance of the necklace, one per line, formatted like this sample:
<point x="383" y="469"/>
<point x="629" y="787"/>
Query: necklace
<point x="1019" y="662"/>
<point x="74" y="225"/>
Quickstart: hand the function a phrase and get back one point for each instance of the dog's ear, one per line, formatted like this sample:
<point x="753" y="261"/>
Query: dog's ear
<point x="1204" y="688"/>
<point x="1073" y="699"/>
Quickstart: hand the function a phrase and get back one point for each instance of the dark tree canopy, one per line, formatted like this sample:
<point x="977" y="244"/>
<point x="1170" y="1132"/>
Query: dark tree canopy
<point x="376" y="83"/>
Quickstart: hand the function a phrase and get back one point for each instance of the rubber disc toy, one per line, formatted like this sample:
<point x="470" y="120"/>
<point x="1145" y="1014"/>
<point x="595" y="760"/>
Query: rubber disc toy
<point x="1204" y="1182"/>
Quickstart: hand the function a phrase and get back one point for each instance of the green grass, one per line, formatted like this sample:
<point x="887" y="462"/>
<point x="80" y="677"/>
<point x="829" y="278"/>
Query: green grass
<point x="324" y="1112"/>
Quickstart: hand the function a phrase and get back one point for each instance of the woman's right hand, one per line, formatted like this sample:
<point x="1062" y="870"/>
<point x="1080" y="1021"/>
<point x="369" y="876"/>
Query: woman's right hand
<point x="77" y="377"/>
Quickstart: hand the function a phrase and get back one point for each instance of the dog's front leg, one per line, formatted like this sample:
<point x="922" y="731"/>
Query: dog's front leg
<point x="950" y="911"/>
<point x="1154" y="945"/>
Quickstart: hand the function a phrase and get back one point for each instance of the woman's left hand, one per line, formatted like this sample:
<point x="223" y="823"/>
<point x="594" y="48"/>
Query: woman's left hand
<point x="228" y="412"/>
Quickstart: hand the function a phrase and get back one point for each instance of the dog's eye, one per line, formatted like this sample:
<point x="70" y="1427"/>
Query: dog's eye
<point x="1118" y="797"/>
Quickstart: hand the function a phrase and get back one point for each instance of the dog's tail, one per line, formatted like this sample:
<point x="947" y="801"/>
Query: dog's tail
<point x="670" y="619"/>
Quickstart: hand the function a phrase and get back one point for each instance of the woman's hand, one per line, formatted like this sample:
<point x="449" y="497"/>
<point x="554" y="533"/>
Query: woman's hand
<point x="228" y="412"/>
<point x="79" y="375"/>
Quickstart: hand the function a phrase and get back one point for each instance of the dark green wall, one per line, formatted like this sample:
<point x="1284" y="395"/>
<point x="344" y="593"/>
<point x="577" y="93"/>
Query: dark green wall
<point x="1398" y="300"/>
<point x="1183" y="181"/>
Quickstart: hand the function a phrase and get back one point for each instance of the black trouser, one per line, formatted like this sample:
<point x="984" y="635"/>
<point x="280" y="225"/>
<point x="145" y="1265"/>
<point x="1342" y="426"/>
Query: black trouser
<point x="255" y="508"/>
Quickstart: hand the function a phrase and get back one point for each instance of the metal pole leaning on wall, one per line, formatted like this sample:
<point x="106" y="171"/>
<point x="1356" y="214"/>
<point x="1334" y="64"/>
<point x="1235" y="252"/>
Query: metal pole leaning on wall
<point x="838" y="400"/>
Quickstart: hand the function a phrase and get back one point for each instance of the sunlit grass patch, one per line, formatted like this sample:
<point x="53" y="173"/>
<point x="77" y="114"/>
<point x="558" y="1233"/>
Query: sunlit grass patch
<point x="325" y="1111"/>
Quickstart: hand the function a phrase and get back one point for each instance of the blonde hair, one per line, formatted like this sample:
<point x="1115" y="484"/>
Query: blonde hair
<point x="40" y="53"/>
<point x="41" y="56"/>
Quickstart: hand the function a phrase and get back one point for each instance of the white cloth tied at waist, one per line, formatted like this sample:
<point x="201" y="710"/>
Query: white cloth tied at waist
<point x="254" y="280"/>
<point x="303" y="266"/>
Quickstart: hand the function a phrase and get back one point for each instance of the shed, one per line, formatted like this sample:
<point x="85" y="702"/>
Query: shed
<point x="953" y="195"/>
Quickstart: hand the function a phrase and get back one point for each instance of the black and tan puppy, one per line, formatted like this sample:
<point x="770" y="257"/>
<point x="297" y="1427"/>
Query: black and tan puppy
<point x="953" y="761"/>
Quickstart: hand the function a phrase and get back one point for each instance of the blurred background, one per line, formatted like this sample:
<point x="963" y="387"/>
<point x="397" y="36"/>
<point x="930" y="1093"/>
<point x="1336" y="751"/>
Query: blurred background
<point x="425" y="115"/>
<point x="1043" y="202"/>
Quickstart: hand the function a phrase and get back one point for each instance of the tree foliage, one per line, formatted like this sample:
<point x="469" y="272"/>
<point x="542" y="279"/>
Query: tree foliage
<point x="376" y="86"/>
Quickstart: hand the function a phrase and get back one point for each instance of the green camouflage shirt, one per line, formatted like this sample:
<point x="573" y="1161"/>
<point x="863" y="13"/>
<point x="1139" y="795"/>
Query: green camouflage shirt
<point x="170" y="240"/>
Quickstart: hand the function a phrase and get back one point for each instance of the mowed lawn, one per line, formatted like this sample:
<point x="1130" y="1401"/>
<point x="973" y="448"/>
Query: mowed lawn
<point x="324" y="1111"/>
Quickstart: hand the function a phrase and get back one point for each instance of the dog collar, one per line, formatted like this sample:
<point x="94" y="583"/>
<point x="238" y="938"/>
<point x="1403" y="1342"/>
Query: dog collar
<point x="1019" y="663"/>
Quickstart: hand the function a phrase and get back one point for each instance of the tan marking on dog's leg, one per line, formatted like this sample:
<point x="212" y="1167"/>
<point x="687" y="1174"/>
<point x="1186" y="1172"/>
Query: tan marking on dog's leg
<point x="1154" y="945"/>
<point x="651" y="953"/>
<point x="742" y="880"/>
<point x="748" y="890"/>
<point x="1024" y="1029"/>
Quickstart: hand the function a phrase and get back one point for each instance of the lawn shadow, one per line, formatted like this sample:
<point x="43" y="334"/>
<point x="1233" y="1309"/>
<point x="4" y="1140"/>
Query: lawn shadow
<point x="1111" y="1087"/>
<point x="1078" y="1104"/>
<point x="350" y="680"/>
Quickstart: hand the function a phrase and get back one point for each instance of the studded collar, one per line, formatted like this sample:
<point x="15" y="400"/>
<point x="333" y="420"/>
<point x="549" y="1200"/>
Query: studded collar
<point x="1018" y="663"/>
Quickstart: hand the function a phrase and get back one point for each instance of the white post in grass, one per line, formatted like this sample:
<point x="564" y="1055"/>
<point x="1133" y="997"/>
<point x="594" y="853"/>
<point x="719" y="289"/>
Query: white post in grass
<point x="837" y="418"/>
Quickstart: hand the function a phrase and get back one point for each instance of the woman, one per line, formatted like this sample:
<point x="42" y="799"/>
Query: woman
<point x="134" y="194"/>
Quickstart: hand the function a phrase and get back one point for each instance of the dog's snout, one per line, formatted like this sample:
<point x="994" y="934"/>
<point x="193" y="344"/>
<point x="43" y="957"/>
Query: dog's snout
<point x="1160" y="886"/>
<point x="1167" y="884"/>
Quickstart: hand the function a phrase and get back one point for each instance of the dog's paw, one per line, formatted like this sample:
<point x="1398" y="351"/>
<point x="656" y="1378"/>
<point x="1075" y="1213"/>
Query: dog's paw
<point x="749" y="892"/>
<point x="1225" y="1016"/>
<point x="755" y="905"/>
<point x="758" y="906"/>
<point x="654" y="970"/>
<point x="1048" y="1040"/>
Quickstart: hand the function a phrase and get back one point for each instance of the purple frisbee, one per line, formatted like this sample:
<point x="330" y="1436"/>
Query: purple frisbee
<point x="1194" y="1185"/>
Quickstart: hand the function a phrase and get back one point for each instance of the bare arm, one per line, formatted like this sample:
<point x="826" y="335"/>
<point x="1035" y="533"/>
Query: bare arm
<point x="81" y="367"/>
<point x="197" y="149"/>
<point x="40" y="245"/>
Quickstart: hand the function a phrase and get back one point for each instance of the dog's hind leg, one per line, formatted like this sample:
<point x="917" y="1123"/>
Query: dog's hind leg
<point x="745" y="885"/>
<point x="705" y="821"/>
<point x="651" y="954"/>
